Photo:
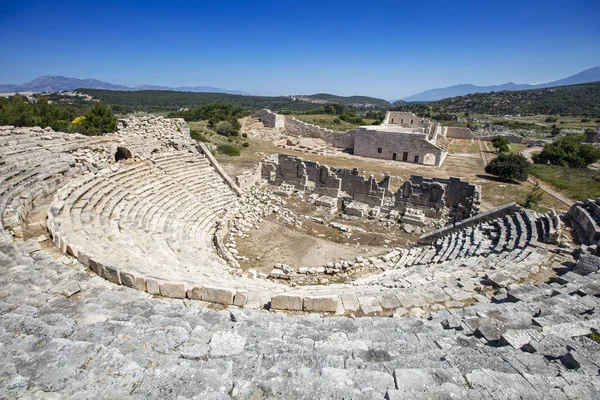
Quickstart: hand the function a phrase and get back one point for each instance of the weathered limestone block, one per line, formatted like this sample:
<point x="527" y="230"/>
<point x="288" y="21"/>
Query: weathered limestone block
<point x="111" y="273"/>
<point x="214" y="294"/>
<point x="128" y="279"/>
<point x="172" y="289"/>
<point x="369" y="305"/>
<point x="286" y="301"/>
<point x="152" y="286"/>
<point x="194" y="293"/>
<point x="240" y="299"/>
<point x="587" y="264"/>
<point x="96" y="266"/>
<point x="321" y="303"/>
<point x="350" y="302"/>
<point x="83" y="258"/>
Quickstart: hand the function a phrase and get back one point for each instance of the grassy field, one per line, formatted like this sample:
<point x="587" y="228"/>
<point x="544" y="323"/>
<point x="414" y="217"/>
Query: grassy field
<point x="327" y="121"/>
<point x="577" y="184"/>
<point x="469" y="146"/>
<point x="516" y="148"/>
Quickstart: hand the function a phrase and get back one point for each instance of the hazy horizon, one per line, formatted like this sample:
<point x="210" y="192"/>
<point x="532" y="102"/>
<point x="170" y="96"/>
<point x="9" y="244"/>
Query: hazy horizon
<point x="388" y="50"/>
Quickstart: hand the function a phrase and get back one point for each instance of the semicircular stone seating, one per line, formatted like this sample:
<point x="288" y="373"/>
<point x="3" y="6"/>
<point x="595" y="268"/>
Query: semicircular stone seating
<point x="155" y="224"/>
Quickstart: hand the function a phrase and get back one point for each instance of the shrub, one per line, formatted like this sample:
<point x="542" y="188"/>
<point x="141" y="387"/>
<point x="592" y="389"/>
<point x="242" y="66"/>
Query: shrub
<point x="551" y="119"/>
<point x="198" y="136"/>
<point x="508" y="167"/>
<point x="245" y="144"/>
<point x="99" y="119"/>
<point x="501" y="143"/>
<point x="337" y="121"/>
<point x="224" y="128"/>
<point x="568" y="151"/>
<point x="244" y="135"/>
<point x="229" y="149"/>
<point x="534" y="196"/>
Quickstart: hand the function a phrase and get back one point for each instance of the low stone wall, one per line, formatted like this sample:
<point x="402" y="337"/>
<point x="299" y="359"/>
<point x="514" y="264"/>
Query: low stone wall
<point x="201" y="147"/>
<point x="497" y="212"/>
<point x="459" y="133"/>
<point x="294" y="127"/>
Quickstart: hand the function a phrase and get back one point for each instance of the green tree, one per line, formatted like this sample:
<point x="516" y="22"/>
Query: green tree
<point x="534" y="196"/>
<point x="509" y="167"/>
<point x="501" y="143"/>
<point x="568" y="151"/>
<point x="98" y="120"/>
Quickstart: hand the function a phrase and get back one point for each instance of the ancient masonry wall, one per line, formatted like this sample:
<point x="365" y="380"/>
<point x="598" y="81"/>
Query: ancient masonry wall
<point x="586" y="214"/>
<point x="459" y="133"/>
<point x="294" y="127"/>
<point x="432" y="195"/>
<point x="327" y="181"/>
<point x="405" y="119"/>
<point x="497" y="212"/>
<point x="271" y="119"/>
<point x="408" y="147"/>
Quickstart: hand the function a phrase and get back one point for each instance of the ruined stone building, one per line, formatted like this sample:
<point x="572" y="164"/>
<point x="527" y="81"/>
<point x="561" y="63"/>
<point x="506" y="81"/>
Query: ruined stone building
<point x="433" y="195"/>
<point x="401" y="137"/>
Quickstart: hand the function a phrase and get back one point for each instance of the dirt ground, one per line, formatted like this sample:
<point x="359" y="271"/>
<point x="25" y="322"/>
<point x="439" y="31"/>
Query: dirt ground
<point x="275" y="243"/>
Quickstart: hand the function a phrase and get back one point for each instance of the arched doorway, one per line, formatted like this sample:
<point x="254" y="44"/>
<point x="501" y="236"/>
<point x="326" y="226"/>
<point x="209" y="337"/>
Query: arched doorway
<point x="429" y="159"/>
<point x="122" y="154"/>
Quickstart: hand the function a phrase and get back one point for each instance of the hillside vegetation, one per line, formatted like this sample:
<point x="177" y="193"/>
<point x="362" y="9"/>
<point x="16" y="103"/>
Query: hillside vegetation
<point x="166" y="101"/>
<point x="581" y="100"/>
<point x="351" y="100"/>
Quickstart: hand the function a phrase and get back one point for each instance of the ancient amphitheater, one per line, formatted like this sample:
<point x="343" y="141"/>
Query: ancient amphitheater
<point x="121" y="279"/>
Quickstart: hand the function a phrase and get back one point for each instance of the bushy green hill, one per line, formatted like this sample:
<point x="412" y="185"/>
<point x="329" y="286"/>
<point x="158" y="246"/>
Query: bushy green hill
<point x="582" y="100"/>
<point x="163" y="100"/>
<point x="350" y="100"/>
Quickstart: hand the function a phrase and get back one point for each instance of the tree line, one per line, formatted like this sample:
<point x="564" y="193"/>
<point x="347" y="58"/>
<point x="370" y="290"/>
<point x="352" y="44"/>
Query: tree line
<point x="17" y="110"/>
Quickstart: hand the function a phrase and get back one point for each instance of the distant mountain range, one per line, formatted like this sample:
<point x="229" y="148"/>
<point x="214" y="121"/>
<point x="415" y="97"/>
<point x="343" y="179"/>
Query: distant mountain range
<point x="587" y="76"/>
<point x="60" y="83"/>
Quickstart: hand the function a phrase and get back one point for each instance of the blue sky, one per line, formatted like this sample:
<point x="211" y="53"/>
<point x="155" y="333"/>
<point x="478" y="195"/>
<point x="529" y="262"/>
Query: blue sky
<point x="388" y="49"/>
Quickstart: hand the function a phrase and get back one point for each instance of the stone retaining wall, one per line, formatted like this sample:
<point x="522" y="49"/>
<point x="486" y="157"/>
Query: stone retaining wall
<point x="459" y="133"/>
<point x="294" y="127"/>
<point x="497" y="212"/>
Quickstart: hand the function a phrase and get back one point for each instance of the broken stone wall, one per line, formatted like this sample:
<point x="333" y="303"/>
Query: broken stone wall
<point x="271" y="119"/>
<point x="294" y="127"/>
<point x="364" y="190"/>
<point x="433" y="195"/>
